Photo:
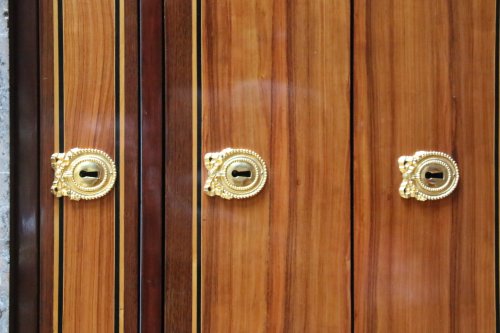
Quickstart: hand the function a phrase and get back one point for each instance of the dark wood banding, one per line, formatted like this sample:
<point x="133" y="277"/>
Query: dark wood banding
<point x="131" y="169"/>
<point x="179" y="166"/>
<point x="47" y="148"/>
<point x="152" y="165"/>
<point x="25" y="176"/>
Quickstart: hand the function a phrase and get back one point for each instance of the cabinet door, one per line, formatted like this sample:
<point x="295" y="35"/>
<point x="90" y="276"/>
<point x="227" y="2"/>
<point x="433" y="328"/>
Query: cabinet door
<point x="424" y="75"/>
<point x="276" y="80"/>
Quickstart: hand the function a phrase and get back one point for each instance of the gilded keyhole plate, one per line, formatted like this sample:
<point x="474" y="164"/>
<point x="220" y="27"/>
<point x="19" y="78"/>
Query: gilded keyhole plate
<point x="428" y="175"/>
<point x="82" y="174"/>
<point x="234" y="173"/>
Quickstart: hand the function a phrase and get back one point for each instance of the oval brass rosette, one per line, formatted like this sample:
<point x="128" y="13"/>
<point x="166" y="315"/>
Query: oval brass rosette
<point x="234" y="173"/>
<point x="428" y="175"/>
<point x="83" y="174"/>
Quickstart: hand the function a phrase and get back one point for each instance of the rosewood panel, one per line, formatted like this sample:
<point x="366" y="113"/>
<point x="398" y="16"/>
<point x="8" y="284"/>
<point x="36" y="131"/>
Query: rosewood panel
<point x="424" y="75"/>
<point x="48" y="144"/>
<point x="179" y="166"/>
<point x="276" y="80"/>
<point x="88" y="66"/>
<point x="129" y="143"/>
<point x="152" y="171"/>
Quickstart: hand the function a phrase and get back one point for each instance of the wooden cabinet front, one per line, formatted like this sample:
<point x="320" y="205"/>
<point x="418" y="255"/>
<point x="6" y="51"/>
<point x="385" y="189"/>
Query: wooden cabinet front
<point x="330" y="93"/>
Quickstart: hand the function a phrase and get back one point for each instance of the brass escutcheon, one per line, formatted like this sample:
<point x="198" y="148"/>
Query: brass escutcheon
<point x="234" y="173"/>
<point x="428" y="175"/>
<point x="82" y="174"/>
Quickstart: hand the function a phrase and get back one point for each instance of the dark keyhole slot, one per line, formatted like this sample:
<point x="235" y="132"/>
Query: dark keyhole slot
<point x="89" y="174"/>
<point x="435" y="175"/>
<point x="237" y="173"/>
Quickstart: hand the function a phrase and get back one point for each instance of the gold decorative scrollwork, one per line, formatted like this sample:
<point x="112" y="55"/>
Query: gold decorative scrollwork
<point x="428" y="175"/>
<point x="82" y="174"/>
<point x="234" y="173"/>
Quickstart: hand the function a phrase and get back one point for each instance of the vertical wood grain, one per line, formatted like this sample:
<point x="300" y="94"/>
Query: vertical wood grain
<point x="276" y="80"/>
<point x="130" y="156"/>
<point x="89" y="122"/>
<point x="424" y="77"/>
<point x="152" y="169"/>
<point x="47" y="140"/>
<point x="178" y="165"/>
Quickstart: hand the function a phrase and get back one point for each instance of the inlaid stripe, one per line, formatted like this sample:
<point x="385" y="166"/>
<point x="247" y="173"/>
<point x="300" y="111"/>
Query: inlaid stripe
<point x="121" y="264"/>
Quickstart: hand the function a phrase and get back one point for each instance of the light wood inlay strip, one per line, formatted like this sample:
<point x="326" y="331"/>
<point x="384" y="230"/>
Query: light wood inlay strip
<point x="194" y="294"/>
<point x="121" y="174"/>
<point x="89" y="115"/>
<point x="57" y="148"/>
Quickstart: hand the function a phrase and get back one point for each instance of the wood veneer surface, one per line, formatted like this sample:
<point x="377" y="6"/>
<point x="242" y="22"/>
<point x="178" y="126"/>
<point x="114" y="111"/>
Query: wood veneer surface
<point x="276" y="80"/>
<point x="152" y="170"/>
<point x="130" y="186"/>
<point x="25" y="178"/>
<point x="424" y="75"/>
<point x="89" y="122"/>
<point x="47" y="145"/>
<point x="179" y="166"/>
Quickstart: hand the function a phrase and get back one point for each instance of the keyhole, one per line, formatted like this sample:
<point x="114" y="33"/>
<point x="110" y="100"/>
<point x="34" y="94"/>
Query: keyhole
<point x="434" y="175"/>
<point x="89" y="174"/>
<point x="237" y="173"/>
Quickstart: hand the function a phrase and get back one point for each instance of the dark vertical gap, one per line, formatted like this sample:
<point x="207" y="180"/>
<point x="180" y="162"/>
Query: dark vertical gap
<point x="497" y="166"/>
<point x="164" y="166"/>
<point x="60" y="28"/>
<point x="198" y="162"/>
<point x="351" y="133"/>
<point x="117" y="163"/>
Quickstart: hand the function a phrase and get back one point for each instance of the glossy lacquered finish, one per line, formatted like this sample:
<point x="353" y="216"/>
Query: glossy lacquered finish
<point x="180" y="164"/>
<point x="45" y="316"/>
<point x="328" y="244"/>
<point x="152" y="172"/>
<point x="85" y="93"/>
<point x="130" y="147"/>
<point x="276" y="81"/>
<point x="88" y="267"/>
<point x="24" y="305"/>
<point x="424" y="75"/>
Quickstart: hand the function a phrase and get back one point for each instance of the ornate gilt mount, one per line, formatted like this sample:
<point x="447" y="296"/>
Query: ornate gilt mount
<point x="234" y="173"/>
<point x="82" y="174"/>
<point x="428" y="175"/>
